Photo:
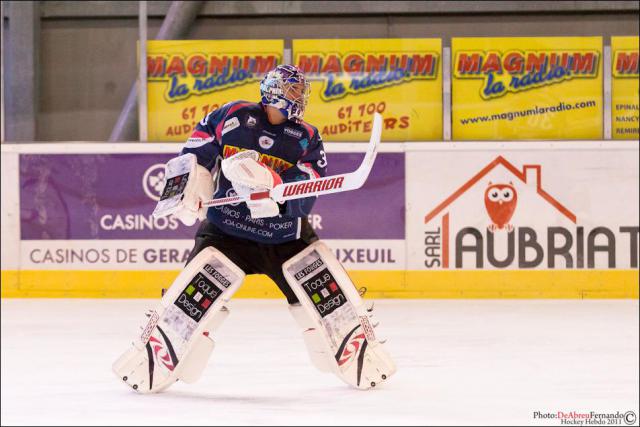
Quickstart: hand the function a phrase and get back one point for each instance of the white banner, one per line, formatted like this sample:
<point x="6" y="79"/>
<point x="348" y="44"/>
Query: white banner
<point x="382" y="254"/>
<point x="522" y="206"/>
<point x="560" y="219"/>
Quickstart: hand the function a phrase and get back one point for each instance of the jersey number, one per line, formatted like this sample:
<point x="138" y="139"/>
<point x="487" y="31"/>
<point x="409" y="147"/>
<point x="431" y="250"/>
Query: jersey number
<point x="322" y="162"/>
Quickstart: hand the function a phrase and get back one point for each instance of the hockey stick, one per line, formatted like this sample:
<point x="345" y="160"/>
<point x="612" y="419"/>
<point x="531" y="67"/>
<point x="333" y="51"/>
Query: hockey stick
<point x="320" y="186"/>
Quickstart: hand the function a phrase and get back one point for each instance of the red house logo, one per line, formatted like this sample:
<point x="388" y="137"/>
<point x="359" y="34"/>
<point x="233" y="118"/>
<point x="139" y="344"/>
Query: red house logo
<point x="500" y="202"/>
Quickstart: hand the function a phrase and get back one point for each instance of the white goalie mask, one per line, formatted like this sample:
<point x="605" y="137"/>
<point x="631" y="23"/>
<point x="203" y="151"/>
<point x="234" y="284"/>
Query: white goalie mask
<point x="286" y="89"/>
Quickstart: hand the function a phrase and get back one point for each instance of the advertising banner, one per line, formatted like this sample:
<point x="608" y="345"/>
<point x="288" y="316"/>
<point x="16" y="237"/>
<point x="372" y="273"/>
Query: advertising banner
<point x="187" y="79"/>
<point x="525" y="211"/>
<point x="512" y="88"/>
<point x="624" y="90"/>
<point x="77" y="212"/>
<point x="352" y="79"/>
<point x="505" y="220"/>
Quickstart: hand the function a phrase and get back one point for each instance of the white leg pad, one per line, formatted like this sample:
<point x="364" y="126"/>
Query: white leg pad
<point x="175" y="344"/>
<point x="202" y="348"/>
<point x="196" y="362"/>
<point x="341" y="336"/>
<point x="319" y="352"/>
<point x="316" y="347"/>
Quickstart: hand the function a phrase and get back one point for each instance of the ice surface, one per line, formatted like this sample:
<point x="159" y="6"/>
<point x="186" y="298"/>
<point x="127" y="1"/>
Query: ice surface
<point x="459" y="362"/>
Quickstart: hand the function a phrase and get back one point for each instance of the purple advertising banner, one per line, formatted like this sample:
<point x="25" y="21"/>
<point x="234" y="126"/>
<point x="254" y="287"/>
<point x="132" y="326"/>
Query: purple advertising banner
<point x="111" y="196"/>
<point x="375" y="211"/>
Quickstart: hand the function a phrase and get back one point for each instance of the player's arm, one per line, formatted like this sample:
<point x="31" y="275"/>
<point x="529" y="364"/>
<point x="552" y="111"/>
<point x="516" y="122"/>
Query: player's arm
<point x="197" y="158"/>
<point x="312" y="165"/>
<point x="205" y="142"/>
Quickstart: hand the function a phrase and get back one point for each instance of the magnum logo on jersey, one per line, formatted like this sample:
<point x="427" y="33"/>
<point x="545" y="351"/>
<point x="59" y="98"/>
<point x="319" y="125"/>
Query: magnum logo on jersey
<point x="516" y="71"/>
<point x="355" y="72"/>
<point x="200" y="74"/>
<point x="276" y="163"/>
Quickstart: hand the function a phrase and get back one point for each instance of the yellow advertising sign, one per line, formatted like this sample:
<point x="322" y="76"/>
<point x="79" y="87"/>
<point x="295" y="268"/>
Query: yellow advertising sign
<point x="188" y="79"/>
<point x="352" y="79"/>
<point x="527" y="88"/>
<point x="624" y="96"/>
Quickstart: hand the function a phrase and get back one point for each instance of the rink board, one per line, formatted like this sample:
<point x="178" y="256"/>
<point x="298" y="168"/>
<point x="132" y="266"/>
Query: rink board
<point x="422" y="226"/>
<point x="379" y="284"/>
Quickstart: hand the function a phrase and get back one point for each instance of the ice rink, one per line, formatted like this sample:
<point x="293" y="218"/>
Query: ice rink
<point x="459" y="362"/>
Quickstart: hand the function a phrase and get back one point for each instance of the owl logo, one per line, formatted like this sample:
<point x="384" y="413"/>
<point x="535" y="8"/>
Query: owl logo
<point x="500" y="201"/>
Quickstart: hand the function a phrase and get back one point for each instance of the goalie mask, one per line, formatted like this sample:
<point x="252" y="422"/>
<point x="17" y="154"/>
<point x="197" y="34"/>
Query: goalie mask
<point x="287" y="89"/>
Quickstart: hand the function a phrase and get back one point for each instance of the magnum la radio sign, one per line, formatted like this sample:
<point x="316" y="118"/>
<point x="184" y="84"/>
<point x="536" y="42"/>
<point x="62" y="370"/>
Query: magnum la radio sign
<point x="353" y="79"/>
<point x="189" y="79"/>
<point x="508" y="88"/>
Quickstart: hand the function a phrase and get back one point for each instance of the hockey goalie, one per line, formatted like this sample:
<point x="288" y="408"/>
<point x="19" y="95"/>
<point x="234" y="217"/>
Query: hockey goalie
<point x="248" y="151"/>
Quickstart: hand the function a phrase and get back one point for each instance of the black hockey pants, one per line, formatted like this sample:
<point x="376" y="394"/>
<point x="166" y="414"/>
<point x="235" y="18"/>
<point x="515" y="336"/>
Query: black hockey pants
<point x="253" y="257"/>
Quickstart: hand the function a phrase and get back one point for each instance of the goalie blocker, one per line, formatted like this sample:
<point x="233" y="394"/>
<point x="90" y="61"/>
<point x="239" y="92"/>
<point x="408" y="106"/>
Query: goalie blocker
<point x="336" y="324"/>
<point x="176" y="343"/>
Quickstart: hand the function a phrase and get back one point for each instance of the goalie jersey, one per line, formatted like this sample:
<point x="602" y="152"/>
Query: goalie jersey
<point x="294" y="150"/>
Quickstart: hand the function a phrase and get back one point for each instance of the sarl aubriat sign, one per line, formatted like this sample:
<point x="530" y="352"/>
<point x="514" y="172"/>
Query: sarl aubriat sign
<point x="519" y="210"/>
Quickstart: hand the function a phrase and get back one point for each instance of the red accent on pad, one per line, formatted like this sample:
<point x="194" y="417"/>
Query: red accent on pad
<point x="260" y="195"/>
<point x="276" y="178"/>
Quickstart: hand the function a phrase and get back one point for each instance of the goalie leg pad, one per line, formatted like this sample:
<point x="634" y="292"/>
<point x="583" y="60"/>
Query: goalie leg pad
<point x="336" y="311"/>
<point x="203" y="346"/>
<point x="319" y="352"/>
<point x="175" y="344"/>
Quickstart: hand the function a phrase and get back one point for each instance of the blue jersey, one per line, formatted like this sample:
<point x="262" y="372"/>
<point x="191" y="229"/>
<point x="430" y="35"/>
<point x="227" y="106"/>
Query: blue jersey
<point x="293" y="150"/>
